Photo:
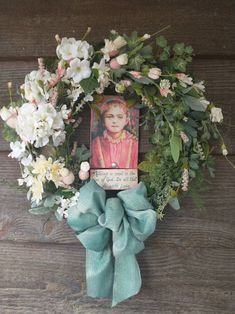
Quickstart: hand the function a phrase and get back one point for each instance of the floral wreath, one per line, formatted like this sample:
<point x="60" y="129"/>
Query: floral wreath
<point x="41" y="126"/>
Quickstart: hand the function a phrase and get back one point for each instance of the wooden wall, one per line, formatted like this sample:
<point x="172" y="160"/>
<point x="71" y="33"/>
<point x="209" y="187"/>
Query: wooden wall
<point x="188" y="265"/>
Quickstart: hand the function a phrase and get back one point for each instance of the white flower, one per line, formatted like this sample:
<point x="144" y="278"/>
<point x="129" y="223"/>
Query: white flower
<point x="184" y="79"/>
<point x="154" y="73"/>
<point x="216" y="114"/>
<point x="103" y="71"/>
<point x="18" y="150"/>
<point x="70" y="48"/>
<point x="112" y="46"/>
<point x="199" y="86"/>
<point x="225" y="152"/>
<point x="75" y="93"/>
<point x="119" y="42"/>
<point x="9" y="116"/>
<point x="204" y="102"/>
<point x="36" y="86"/>
<point x="78" y="70"/>
<point x="122" y="59"/>
<point x="145" y="37"/>
<point x="85" y="166"/>
<point x="36" y="125"/>
<point x="65" y="112"/>
<point x="165" y="88"/>
<point x="58" y="137"/>
<point x="88" y="97"/>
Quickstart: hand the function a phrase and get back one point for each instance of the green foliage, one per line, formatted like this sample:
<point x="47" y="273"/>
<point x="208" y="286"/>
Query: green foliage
<point x="89" y="84"/>
<point x="9" y="134"/>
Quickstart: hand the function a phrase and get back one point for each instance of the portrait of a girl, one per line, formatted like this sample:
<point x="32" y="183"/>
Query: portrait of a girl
<point x="114" y="142"/>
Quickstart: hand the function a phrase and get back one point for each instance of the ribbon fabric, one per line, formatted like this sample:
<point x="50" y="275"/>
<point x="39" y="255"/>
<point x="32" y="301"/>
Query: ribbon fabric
<point x="112" y="230"/>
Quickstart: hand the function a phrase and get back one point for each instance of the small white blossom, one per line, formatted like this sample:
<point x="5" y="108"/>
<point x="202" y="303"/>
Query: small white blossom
<point x="78" y="70"/>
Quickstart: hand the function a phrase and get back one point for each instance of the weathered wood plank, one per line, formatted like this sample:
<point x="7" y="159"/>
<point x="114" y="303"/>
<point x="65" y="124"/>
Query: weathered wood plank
<point x="210" y="25"/>
<point x="190" y="227"/>
<point x="51" y="279"/>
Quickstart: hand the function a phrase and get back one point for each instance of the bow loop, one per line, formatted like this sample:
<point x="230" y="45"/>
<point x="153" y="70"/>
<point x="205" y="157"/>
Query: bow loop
<point x="112" y="231"/>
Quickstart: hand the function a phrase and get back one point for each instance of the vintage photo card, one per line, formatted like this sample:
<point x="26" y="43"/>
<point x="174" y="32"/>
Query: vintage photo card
<point x="114" y="139"/>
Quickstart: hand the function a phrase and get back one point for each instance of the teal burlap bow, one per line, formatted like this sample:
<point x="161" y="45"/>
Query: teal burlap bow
<point x="112" y="230"/>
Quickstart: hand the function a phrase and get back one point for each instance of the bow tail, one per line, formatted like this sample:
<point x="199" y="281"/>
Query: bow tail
<point x="127" y="278"/>
<point x="99" y="273"/>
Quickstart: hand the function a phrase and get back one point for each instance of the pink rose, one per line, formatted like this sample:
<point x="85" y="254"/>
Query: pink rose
<point x="136" y="74"/>
<point x="114" y="64"/>
<point x="154" y="73"/>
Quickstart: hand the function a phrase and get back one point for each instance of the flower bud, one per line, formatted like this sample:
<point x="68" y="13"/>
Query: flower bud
<point x="114" y="64"/>
<point x="122" y="59"/>
<point x="119" y="42"/>
<point x="85" y="166"/>
<point x="83" y="175"/>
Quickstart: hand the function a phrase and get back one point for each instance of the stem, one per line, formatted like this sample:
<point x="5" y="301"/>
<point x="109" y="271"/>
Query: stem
<point x="87" y="32"/>
<point x="161" y="30"/>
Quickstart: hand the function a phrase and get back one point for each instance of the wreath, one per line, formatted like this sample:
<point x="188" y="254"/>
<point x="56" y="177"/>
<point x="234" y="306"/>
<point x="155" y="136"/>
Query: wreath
<point x="41" y="127"/>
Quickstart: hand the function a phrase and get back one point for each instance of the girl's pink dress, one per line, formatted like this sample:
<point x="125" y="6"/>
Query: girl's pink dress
<point x="120" y="153"/>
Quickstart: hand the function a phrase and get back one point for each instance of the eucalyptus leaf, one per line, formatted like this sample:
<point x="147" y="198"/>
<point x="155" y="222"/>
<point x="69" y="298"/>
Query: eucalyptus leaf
<point x="40" y="210"/>
<point x="174" y="203"/>
<point x="194" y="103"/>
<point x="176" y="146"/>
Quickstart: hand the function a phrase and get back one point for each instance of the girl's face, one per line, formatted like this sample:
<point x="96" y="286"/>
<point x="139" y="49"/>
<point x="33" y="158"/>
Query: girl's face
<point x="115" y="119"/>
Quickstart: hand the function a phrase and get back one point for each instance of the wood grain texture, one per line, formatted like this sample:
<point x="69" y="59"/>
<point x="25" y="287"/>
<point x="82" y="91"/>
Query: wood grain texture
<point x="28" y="29"/>
<point x="46" y="278"/>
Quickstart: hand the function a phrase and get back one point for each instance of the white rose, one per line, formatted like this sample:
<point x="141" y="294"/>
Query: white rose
<point x="216" y="114"/>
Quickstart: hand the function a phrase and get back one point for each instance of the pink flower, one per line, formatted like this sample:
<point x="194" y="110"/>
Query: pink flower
<point x="67" y="177"/>
<point x="9" y="116"/>
<point x="165" y="88"/>
<point x="126" y="83"/>
<point x="154" y="73"/>
<point x="136" y="74"/>
<point x="83" y="175"/>
<point x="114" y="64"/>
<point x="60" y="70"/>
<point x="113" y="53"/>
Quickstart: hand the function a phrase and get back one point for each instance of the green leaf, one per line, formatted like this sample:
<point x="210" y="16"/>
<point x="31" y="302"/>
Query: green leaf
<point x="193" y="103"/>
<point x="146" y="166"/>
<point x="40" y="210"/>
<point x="89" y="85"/>
<point x="179" y="64"/>
<point x="136" y="62"/>
<point x="174" y="203"/>
<point x="161" y="41"/>
<point x="188" y="50"/>
<point x="146" y="51"/>
<point x="50" y="200"/>
<point x="9" y="134"/>
<point x="179" y="48"/>
<point x="176" y="146"/>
